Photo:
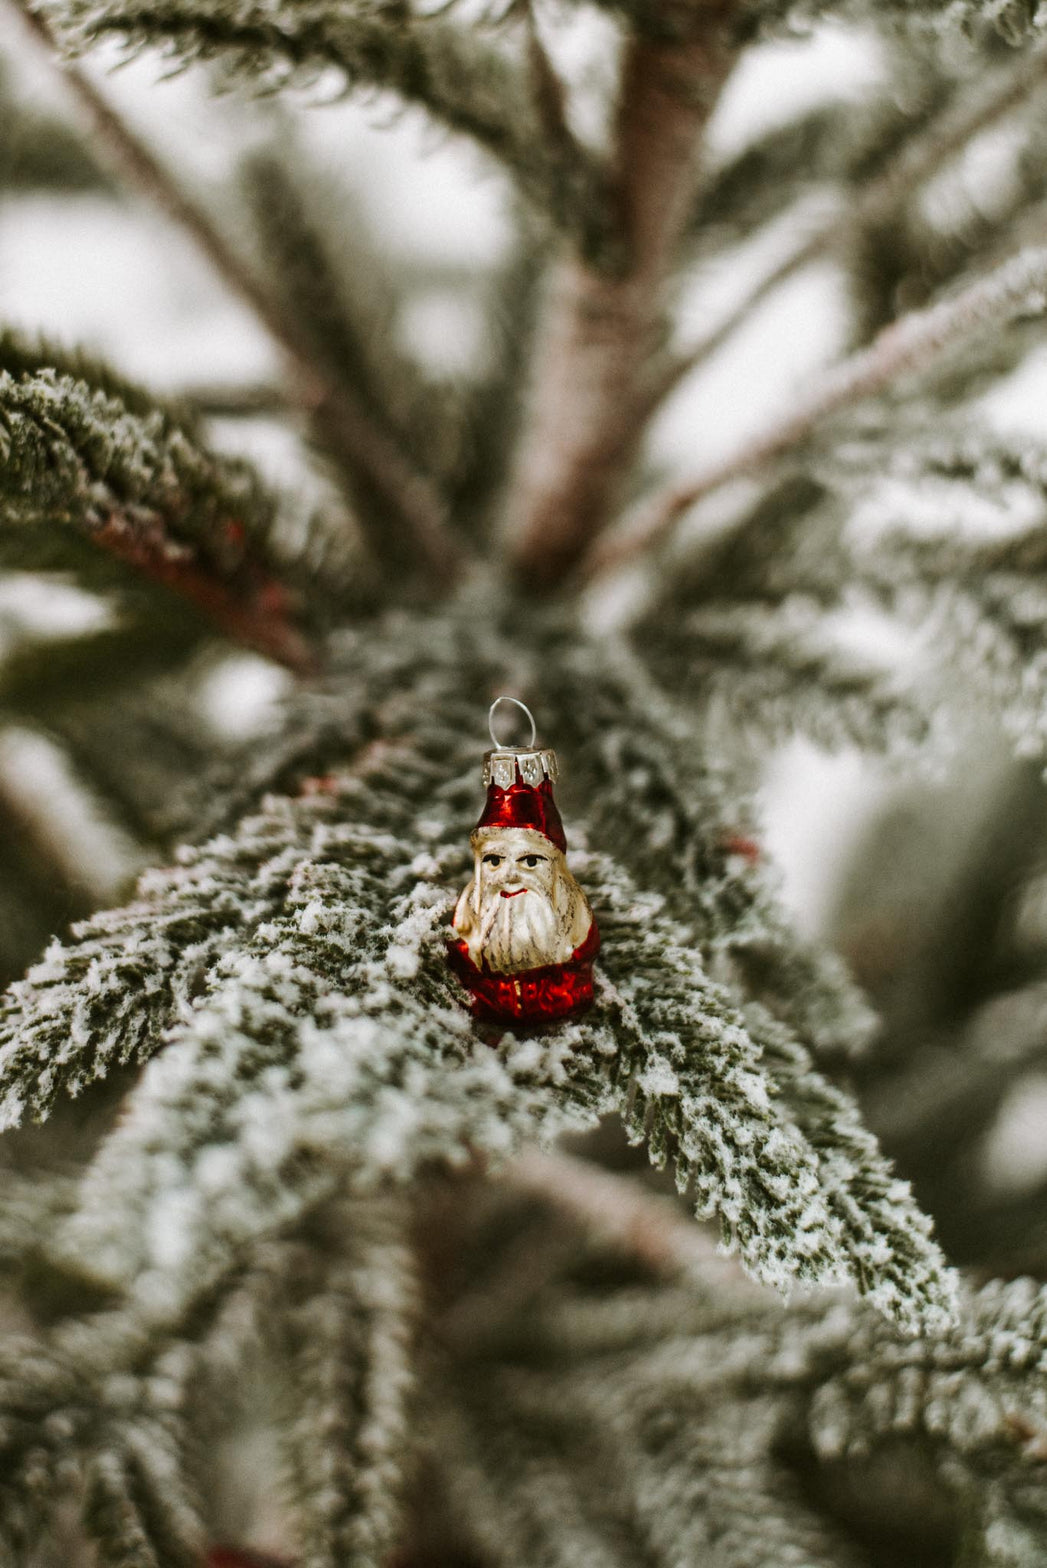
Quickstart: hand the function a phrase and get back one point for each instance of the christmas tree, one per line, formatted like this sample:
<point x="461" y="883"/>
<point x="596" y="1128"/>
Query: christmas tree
<point x="302" y="1259"/>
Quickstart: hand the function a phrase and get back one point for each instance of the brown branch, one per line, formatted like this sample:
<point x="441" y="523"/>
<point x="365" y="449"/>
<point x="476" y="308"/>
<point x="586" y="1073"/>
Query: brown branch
<point x="909" y="344"/>
<point x="602" y="329"/>
<point x="249" y="605"/>
<point x="916" y="161"/>
<point x="413" y="535"/>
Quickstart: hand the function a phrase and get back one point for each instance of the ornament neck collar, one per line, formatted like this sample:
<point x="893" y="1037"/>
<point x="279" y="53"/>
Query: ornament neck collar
<point x="509" y="765"/>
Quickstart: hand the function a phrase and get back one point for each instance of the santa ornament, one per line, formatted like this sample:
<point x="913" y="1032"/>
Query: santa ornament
<point x="526" y="937"/>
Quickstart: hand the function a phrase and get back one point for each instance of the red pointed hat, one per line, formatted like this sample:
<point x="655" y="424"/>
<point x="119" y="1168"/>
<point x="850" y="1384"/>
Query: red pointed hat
<point x="517" y="803"/>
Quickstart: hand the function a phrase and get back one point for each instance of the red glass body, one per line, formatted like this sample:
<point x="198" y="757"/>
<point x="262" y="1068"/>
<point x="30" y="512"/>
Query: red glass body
<point x="533" y="995"/>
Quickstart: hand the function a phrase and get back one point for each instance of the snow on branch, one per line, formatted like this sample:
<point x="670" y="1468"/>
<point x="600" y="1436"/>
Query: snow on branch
<point x="412" y="534"/>
<point x="942" y="531"/>
<point x="343" y="1330"/>
<point x="927" y="20"/>
<point x="791" y="1001"/>
<point x="572" y="1393"/>
<point x="900" y="165"/>
<point x="693" y="1423"/>
<point x="684" y="827"/>
<point x="106" y="1422"/>
<point x="112" y="490"/>
<point x="770" y="671"/>
<point x="292" y="976"/>
<point x="1017" y="287"/>
<point x="947" y="533"/>
<point x="68" y="1426"/>
<point x="467" y="83"/>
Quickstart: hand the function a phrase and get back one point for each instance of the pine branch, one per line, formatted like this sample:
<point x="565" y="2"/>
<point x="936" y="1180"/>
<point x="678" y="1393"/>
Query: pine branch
<point x="698" y="1098"/>
<point x="1008" y="22"/>
<point x="235" y="399"/>
<point x="975" y="1401"/>
<point x="877" y="1238"/>
<point x="144" y="749"/>
<point x="23" y="356"/>
<point x="128" y="1509"/>
<point x="587" y="1405"/>
<point x="292" y="975"/>
<point x="833" y="144"/>
<point x="343" y="300"/>
<point x="916" y="160"/>
<point x="584" y="1413"/>
<point x="885" y="1246"/>
<point x="906" y="346"/>
<point x="43" y="1409"/>
<point x="471" y="87"/>
<point x="684" y="853"/>
<point x="39" y="152"/>
<point x="772" y="671"/>
<point x="347" y="1341"/>
<point x="414" y="530"/>
<point x="980" y="602"/>
<point x="491" y="408"/>
<point x="87" y="480"/>
<point x="64" y="1424"/>
<point x="873" y="518"/>
<point x="601" y="328"/>
<point x="550" y="92"/>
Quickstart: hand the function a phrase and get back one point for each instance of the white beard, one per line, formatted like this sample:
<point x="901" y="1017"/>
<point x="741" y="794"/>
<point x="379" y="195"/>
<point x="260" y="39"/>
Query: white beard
<point x="535" y="927"/>
<point x="524" y="932"/>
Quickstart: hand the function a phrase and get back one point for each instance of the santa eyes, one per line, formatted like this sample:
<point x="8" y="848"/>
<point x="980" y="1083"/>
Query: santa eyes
<point x="525" y="860"/>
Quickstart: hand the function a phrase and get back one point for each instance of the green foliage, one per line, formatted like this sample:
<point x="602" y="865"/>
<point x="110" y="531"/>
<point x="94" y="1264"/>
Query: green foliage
<point x="339" y="293"/>
<point x="699" y="1423"/>
<point x="284" y="961"/>
<point x="261" y="1164"/>
<point x="829" y="146"/>
<point x="40" y="151"/>
<point x="477" y="87"/>
<point x="90" y="479"/>
<point x="346" y="1335"/>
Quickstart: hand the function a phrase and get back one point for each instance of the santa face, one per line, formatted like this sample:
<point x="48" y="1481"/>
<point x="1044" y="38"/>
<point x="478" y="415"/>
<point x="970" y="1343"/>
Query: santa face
<point x="523" y="909"/>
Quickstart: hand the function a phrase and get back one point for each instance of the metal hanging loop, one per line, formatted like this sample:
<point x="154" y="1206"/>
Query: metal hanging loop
<point x="499" y="745"/>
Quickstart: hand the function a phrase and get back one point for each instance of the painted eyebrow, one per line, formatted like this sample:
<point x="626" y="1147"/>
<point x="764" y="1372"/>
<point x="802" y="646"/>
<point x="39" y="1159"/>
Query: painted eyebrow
<point x="530" y="855"/>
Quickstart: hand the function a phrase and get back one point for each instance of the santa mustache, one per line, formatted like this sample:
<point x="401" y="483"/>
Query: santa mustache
<point x="491" y="911"/>
<point x="525" y="930"/>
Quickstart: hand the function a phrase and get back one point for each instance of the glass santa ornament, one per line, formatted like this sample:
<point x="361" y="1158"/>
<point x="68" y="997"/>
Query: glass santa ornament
<point x="525" y="933"/>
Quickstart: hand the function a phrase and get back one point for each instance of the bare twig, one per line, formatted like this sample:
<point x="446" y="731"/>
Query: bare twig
<point x="601" y="329"/>
<point x="413" y="535"/>
<point x="909" y="344"/>
<point x="920" y="158"/>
